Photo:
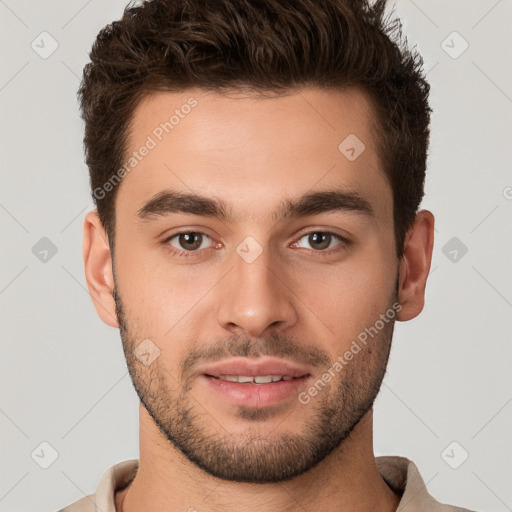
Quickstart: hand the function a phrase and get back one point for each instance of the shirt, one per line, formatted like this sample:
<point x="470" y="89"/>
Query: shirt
<point x="400" y="473"/>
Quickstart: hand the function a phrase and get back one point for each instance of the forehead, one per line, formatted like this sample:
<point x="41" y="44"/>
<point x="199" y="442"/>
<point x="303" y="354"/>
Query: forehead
<point x="253" y="151"/>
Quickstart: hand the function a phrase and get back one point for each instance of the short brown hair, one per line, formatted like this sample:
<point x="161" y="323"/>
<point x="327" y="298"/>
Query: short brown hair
<point x="258" y="45"/>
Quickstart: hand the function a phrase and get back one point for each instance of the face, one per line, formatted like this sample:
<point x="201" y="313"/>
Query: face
<point x="246" y="237"/>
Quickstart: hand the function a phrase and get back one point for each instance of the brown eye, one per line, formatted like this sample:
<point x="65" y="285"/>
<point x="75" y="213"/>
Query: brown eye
<point x="321" y="240"/>
<point x="188" y="241"/>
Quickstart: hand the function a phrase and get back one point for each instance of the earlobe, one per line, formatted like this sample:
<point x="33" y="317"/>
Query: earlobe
<point x="415" y="265"/>
<point x="98" y="268"/>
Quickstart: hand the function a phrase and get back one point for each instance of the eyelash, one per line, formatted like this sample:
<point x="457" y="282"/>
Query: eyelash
<point x="188" y="254"/>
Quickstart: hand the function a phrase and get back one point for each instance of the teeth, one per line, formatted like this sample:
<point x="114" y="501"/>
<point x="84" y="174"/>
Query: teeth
<point x="263" y="380"/>
<point x="260" y="379"/>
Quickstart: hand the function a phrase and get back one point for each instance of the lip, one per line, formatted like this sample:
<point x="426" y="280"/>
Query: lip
<point x="255" y="395"/>
<point x="255" y="367"/>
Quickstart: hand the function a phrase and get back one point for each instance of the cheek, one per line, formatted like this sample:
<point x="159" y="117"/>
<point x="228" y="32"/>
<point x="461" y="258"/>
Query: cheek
<point x="351" y="295"/>
<point x="163" y="298"/>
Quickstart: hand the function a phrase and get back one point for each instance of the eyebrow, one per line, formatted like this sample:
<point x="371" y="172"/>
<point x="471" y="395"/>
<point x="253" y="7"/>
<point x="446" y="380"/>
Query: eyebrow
<point x="313" y="203"/>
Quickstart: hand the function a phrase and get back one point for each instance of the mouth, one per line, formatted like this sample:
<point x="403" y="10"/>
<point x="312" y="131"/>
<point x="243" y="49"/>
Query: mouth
<point x="257" y="379"/>
<point x="255" y="392"/>
<point x="255" y="382"/>
<point x="260" y="370"/>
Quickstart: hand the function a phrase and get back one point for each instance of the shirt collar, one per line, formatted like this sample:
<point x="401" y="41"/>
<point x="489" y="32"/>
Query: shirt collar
<point x="400" y="473"/>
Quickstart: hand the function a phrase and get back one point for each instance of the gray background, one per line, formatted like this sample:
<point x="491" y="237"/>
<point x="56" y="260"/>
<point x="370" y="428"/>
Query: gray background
<point x="63" y="374"/>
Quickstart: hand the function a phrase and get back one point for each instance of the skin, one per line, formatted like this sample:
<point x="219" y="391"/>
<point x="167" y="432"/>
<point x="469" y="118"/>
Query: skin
<point x="289" y="302"/>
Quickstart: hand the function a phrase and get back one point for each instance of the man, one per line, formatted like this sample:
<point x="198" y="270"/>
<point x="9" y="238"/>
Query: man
<point x="257" y="167"/>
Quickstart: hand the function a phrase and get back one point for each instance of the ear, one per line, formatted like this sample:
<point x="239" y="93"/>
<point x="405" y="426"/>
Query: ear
<point x="98" y="268"/>
<point x="415" y="266"/>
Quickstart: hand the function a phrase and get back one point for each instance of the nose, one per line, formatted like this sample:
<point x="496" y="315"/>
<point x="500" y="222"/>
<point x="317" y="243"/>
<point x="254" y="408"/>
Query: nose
<point x="256" y="297"/>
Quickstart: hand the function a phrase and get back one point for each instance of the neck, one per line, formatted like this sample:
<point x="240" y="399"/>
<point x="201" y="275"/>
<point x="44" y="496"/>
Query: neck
<point x="347" y="479"/>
